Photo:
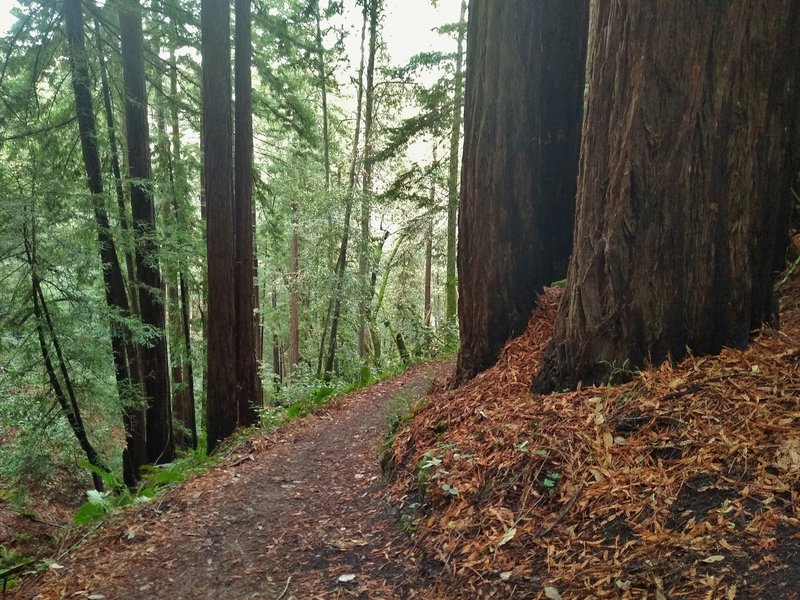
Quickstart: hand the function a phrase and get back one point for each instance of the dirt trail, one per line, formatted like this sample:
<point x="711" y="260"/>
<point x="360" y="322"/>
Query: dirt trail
<point x="300" y="507"/>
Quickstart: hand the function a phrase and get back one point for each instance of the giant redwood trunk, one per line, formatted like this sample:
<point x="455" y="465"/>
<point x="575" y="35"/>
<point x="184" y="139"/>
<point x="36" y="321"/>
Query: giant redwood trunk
<point x="684" y="187"/>
<point x="222" y="413"/>
<point x="523" y="103"/>
<point x="155" y="367"/>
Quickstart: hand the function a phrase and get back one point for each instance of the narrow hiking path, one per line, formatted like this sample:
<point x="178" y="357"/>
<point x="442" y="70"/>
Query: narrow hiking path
<point x="285" y="516"/>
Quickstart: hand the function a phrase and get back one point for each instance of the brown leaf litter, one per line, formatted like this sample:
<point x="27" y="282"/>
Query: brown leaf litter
<point x="683" y="483"/>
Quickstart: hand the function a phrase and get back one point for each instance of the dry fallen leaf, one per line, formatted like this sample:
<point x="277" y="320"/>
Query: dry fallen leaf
<point x="713" y="559"/>
<point x="552" y="593"/>
<point x="507" y="536"/>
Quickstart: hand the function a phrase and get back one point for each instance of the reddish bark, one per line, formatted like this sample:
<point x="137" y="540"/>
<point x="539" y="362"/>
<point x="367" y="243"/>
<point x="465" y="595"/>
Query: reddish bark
<point x="523" y="104"/>
<point x="683" y="196"/>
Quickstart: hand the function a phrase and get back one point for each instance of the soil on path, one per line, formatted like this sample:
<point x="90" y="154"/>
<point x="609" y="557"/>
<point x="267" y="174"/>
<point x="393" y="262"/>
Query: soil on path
<point x="284" y="516"/>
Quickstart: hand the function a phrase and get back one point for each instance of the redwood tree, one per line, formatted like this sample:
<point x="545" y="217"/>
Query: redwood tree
<point x="523" y="103"/>
<point x="249" y="393"/>
<point x="221" y="413"/>
<point x="155" y="367"/>
<point x="125" y="367"/>
<point x="683" y="197"/>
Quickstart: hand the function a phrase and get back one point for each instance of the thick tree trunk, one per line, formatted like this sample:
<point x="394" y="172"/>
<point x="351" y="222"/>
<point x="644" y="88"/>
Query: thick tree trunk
<point x="451" y="296"/>
<point x="684" y="189"/>
<point x="249" y="395"/>
<point x="155" y="366"/>
<point x="125" y="364"/>
<point x="524" y="97"/>
<point x="222" y="415"/>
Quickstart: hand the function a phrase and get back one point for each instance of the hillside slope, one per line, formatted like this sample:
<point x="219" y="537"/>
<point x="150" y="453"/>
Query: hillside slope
<point x="682" y="483"/>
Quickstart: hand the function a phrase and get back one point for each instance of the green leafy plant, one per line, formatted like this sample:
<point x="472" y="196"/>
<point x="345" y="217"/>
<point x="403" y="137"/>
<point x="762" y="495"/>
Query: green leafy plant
<point x="551" y="480"/>
<point x="154" y="481"/>
<point x="618" y="373"/>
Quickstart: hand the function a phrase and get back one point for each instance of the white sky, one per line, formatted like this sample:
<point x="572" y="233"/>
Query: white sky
<point x="407" y="26"/>
<point x="6" y="20"/>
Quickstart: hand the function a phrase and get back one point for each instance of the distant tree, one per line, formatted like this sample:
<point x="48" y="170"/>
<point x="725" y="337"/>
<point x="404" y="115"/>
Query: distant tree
<point x="373" y="8"/>
<point x="249" y="392"/>
<point x="154" y="363"/>
<point x="456" y="120"/>
<point x="341" y="263"/>
<point x="524" y="97"/>
<point x="222" y="409"/>
<point x="688" y="160"/>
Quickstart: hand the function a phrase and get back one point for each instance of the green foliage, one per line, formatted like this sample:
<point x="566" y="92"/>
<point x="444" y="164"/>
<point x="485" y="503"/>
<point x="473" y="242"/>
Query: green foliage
<point x="44" y="192"/>
<point x="155" y="479"/>
<point x="618" y="373"/>
<point x="402" y="408"/>
<point x="551" y="480"/>
<point x="97" y="506"/>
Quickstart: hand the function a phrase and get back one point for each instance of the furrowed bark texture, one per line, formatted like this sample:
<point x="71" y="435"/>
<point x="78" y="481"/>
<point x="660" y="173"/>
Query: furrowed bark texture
<point x="683" y="196"/>
<point x="523" y="104"/>
<point x="222" y="410"/>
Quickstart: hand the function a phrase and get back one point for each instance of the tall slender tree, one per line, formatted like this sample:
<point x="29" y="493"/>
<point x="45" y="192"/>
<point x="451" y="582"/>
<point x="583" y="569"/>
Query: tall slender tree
<point x="524" y="98"/>
<point x="373" y="7"/>
<point x="154" y="363"/>
<point x="351" y="182"/>
<point x="222" y="407"/>
<point x="184" y="408"/>
<point x="249" y="392"/>
<point x="687" y="165"/>
<point x="113" y="146"/>
<point x="451" y="296"/>
<point x="125" y="368"/>
<point x="63" y="388"/>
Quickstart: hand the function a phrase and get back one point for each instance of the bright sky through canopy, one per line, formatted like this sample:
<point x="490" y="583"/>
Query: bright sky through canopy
<point x="407" y="26"/>
<point x="6" y="18"/>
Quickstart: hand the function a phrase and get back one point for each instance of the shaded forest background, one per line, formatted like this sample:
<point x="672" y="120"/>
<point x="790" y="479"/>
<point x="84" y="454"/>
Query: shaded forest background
<point x="215" y="218"/>
<point x="339" y="174"/>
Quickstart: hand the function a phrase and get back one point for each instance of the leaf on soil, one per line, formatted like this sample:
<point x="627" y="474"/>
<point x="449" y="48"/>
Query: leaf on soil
<point x="507" y="536"/>
<point x="552" y="593"/>
<point x="713" y="559"/>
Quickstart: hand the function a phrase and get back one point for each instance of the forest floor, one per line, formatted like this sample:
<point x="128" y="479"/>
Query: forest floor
<point x="284" y="516"/>
<point x="683" y="482"/>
